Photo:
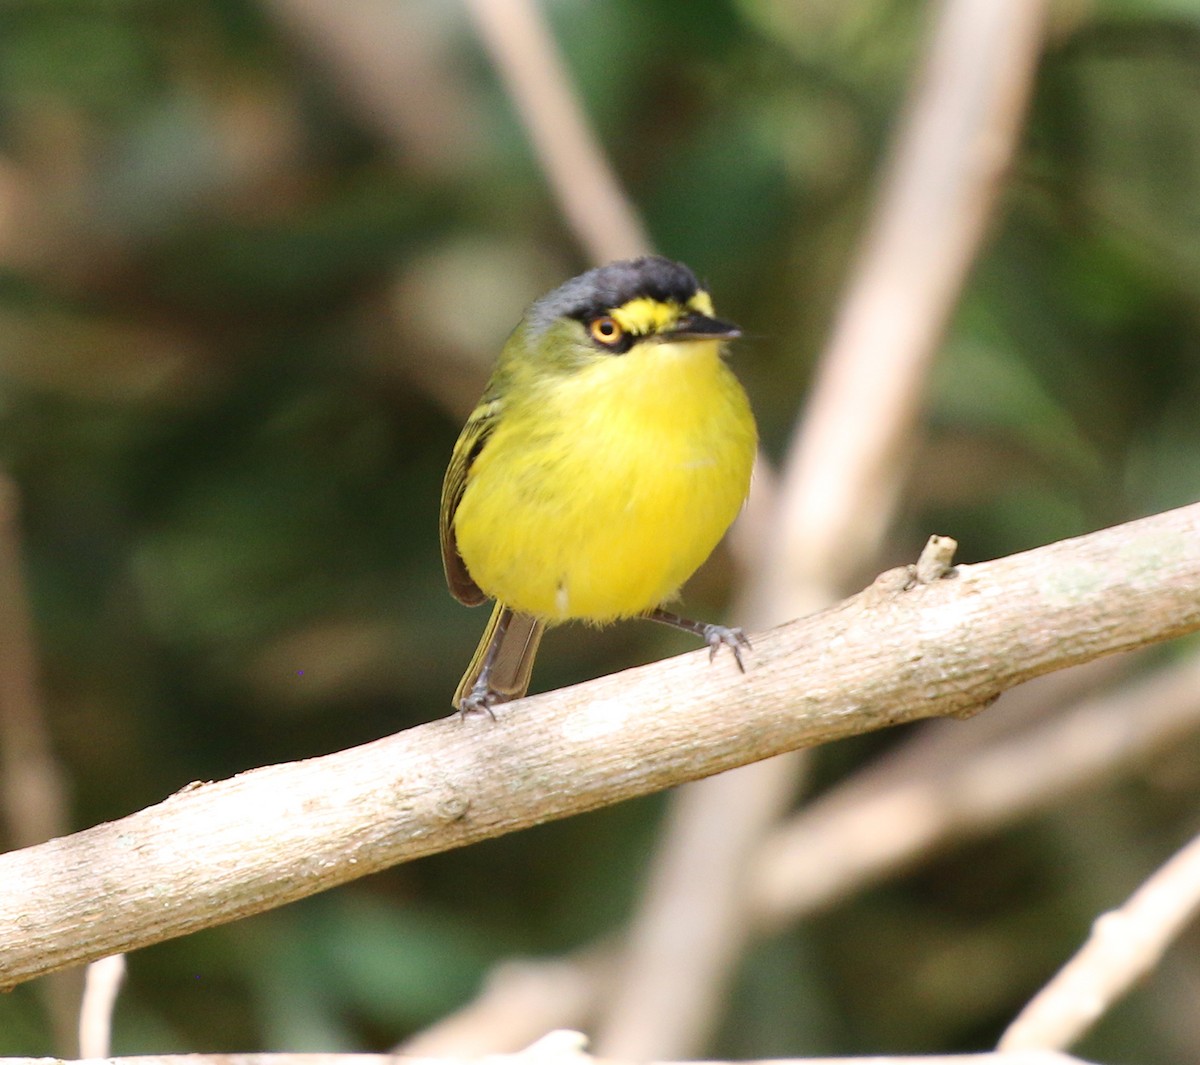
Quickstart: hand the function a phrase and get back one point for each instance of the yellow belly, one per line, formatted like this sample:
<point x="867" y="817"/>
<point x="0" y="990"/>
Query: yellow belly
<point x="602" y="496"/>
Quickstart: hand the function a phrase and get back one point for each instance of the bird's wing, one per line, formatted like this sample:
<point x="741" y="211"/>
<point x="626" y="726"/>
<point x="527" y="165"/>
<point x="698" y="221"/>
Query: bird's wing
<point x="471" y="442"/>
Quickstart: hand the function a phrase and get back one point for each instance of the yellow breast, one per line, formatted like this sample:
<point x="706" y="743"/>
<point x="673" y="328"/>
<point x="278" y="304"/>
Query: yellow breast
<point x="605" y="491"/>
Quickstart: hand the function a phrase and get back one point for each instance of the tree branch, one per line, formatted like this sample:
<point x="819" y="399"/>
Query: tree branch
<point x="1124" y="946"/>
<point x="951" y="783"/>
<point x="589" y="194"/>
<point x="33" y="787"/>
<point x="890" y="815"/>
<point x="846" y="462"/>
<point x="534" y="1057"/>
<point x="896" y="652"/>
<point x="837" y="492"/>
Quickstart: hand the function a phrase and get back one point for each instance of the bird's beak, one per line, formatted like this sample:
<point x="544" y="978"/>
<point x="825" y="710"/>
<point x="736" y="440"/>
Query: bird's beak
<point x="700" y="327"/>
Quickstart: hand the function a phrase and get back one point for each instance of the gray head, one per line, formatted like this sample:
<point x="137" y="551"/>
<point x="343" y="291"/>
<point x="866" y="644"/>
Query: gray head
<point x="608" y="287"/>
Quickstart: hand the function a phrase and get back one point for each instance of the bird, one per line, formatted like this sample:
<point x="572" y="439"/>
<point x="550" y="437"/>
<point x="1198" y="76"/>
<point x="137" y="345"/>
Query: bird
<point x="610" y="451"/>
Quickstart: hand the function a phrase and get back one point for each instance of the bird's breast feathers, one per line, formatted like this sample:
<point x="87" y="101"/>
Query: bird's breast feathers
<point x="603" y="500"/>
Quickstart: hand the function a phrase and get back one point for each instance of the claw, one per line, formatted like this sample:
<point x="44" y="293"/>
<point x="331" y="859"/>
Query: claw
<point x="735" y="639"/>
<point x="480" y="701"/>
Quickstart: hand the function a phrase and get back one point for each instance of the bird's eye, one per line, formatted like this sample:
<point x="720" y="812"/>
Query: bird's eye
<point x="606" y="331"/>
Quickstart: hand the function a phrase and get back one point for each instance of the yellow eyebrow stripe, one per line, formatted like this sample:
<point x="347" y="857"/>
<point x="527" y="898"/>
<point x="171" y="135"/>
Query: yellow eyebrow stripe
<point x="645" y="315"/>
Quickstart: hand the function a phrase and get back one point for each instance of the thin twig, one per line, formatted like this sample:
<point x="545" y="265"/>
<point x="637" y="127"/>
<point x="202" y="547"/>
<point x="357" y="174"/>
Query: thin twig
<point x="893" y="653"/>
<point x="33" y="793"/>
<point x="100" y="990"/>
<point x="689" y="930"/>
<point x="588" y="192"/>
<point x="1124" y="946"/>
<point x="388" y="61"/>
<point x="519" y="1000"/>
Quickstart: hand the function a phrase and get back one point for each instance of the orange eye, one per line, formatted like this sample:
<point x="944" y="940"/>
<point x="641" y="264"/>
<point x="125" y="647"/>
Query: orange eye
<point x="606" y="331"/>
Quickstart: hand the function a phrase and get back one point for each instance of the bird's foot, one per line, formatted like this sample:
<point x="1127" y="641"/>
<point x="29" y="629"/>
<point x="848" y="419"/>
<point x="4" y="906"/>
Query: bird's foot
<point x="480" y="700"/>
<point x="717" y="636"/>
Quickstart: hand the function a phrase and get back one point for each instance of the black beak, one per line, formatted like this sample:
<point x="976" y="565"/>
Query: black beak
<point x="701" y="327"/>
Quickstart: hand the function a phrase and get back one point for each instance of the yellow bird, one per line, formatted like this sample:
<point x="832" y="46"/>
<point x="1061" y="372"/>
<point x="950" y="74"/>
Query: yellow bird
<point x="611" y="450"/>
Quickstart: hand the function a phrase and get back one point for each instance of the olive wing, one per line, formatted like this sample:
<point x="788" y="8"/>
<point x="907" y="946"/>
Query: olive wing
<point x="471" y="441"/>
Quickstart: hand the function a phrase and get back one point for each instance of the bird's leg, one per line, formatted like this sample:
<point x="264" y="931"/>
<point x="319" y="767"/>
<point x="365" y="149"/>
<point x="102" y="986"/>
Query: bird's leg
<point x="713" y="635"/>
<point x="482" y="696"/>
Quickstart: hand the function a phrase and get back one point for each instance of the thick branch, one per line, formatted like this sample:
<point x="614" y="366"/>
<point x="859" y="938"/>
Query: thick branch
<point x="891" y="654"/>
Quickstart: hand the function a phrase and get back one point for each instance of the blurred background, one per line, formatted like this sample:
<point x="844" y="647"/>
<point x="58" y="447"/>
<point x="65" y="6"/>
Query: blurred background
<point x="256" y="258"/>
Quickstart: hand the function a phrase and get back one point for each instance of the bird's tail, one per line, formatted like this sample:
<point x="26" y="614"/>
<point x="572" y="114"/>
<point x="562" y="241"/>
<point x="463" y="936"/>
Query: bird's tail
<point x="503" y="661"/>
